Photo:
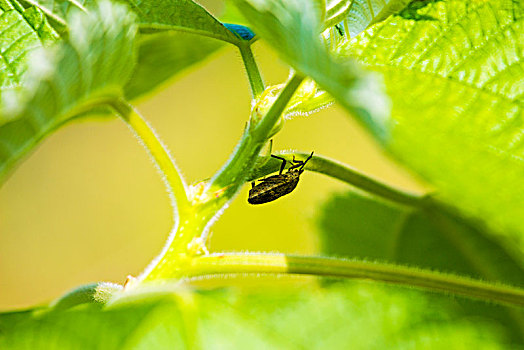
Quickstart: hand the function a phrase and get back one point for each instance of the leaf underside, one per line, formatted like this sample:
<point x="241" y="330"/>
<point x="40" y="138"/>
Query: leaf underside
<point x="354" y="225"/>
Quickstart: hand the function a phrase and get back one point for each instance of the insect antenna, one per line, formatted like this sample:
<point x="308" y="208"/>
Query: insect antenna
<point x="304" y="163"/>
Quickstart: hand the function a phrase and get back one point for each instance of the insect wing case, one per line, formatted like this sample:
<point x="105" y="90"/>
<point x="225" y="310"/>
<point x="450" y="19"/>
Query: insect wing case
<point x="273" y="188"/>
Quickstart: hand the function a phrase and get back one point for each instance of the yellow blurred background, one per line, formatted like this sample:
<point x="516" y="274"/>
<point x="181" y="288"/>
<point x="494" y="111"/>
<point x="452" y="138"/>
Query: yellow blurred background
<point x="88" y="204"/>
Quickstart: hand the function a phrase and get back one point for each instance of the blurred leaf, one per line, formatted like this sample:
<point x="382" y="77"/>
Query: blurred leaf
<point x="158" y="15"/>
<point x="86" y="71"/>
<point x="174" y="35"/>
<point x="57" y="11"/>
<point x="456" y="83"/>
<point x="231" y="14"/>
<point x="184" y="29"/>
<point x="151" y="324"/>
<point x="355" y="225"/>
<point x="94" y="293"/>
<point x="21" y="33"/>
<point x="355" y="316"/>
<point x="292" y="27"/>
<point x="162" y="55"/>
<point x="60" y="9"/>
<point x="180" y="15"/>
<point x="360" y="14"/>
<point x="307" y="99"/>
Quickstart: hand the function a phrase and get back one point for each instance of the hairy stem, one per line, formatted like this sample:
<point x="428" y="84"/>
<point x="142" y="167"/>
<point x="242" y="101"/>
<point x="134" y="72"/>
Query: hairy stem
<point x="344" y="173"/>
<point x="166" y="165"/>
<point x="236" y="170"/>
<point x="253" y="73"/>
<point x="261" y="263"/>
<point x="190" y="236"/>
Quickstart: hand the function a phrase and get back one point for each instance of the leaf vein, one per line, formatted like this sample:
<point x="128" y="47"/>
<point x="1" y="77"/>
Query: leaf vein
<point x="444" y="32"/>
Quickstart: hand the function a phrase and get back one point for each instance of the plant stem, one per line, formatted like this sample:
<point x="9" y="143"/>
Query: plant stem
<point x="256" y="135"/>
<point x="261" y="263"/>
<point x="174" y="182"/>
<point x="344" y="173"/>
<point x="183" y="245"/>
<point x="253" y="73"/>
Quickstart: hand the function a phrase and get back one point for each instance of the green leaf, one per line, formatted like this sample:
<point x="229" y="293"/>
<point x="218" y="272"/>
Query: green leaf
<point x="357" y="226"/>
<point x="57" y="11"/>
<point x="293" y="28"/>
<point x="145" y="325"/>
<point x="86" y="71"/>
<point x="22" y="32"/>
<point x="163" y="55"/>
<point x="231" y="14"/>
<point x="184" y="29"/>
<point x="173" y="36"/>
<point x="180" y="15"/>
<point x="354" y="316"/>
<point x="40" y="25"/>
<point x="351" y="316"/>
<point x="158" y="15"/>
<point x="360" y="14"/>
<point x="454" y="72"/>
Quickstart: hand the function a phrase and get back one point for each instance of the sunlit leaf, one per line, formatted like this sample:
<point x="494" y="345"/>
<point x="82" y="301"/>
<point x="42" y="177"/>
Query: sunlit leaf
<point x="22" y="31"/>
<point x="360" y="14"/>
<point x="59" y="10"/>
<point x="454" y="71"/>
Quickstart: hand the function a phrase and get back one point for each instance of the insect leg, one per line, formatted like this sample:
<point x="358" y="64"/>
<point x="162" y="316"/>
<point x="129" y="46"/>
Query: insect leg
<point x="283" y="166"/>
<point x="298" y="162"/>
<point x="252" y="184"/>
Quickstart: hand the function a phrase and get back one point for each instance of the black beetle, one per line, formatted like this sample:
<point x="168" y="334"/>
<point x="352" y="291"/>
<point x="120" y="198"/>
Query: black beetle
<point x="276" y="186"/>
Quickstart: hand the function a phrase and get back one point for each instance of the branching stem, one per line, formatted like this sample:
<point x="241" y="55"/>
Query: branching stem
<point x="176" y="261"/>
<point x="204" y="208"/>
<point x="236" y="170"/>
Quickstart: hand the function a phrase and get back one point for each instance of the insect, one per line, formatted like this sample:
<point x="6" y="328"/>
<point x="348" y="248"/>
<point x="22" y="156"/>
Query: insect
<point x="276" y="186"/>
<point x="338" y="27"/>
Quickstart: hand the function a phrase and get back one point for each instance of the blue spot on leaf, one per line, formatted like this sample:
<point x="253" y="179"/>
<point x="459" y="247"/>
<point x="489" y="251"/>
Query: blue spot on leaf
<point x="240" y="30"/>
